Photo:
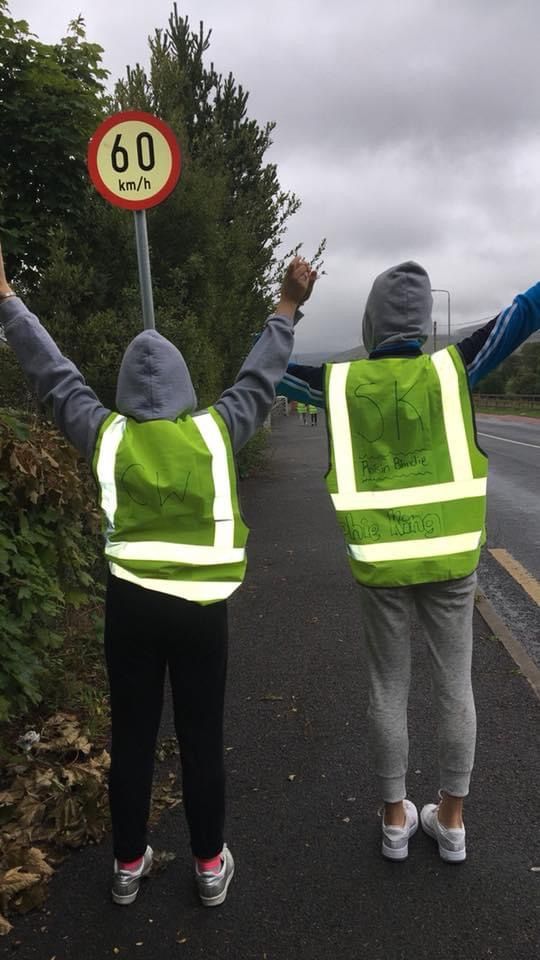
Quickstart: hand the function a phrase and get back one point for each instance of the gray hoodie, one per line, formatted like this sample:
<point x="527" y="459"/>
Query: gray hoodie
<point x="153" y="383"/>
<point x="398" y="307"/>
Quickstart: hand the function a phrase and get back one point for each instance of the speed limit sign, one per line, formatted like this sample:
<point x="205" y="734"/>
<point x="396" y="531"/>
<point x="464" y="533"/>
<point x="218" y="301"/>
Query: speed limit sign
<point x="134" y="160"/>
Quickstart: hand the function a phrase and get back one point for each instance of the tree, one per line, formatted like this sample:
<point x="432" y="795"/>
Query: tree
<point x="526" y="378"/>
<point x="52" y="99"/>
<point x="214" y="242"/>
<point x="519" y="374"/>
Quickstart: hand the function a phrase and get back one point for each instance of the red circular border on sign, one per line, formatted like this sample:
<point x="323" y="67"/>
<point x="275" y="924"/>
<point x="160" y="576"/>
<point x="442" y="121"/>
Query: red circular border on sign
<point x="101" y="187"/>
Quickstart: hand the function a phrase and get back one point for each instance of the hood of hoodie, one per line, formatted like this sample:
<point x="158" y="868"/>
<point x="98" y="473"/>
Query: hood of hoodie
<point x="398" y="307"/>
<point x="154" y="381"/>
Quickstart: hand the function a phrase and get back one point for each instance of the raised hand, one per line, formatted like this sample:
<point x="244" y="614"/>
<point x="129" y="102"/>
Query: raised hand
<point x="296" y="286"/>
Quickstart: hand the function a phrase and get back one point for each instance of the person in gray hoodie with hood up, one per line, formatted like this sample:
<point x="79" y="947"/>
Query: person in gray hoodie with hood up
<point x="408" y="483"/>
<point x="175" y="545"/>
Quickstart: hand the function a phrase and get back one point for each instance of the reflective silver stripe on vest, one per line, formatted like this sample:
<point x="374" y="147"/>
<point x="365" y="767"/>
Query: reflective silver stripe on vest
<point x="456" y="434"/>
<point x="173" y="552"/>
<point x="410" y="496"/>
<point x="416" y="549"/>
<point x="197" y="591"/>
<point x="105" y="466"/>
<point x="341" y="428"/>
<point x="222" y="507"/>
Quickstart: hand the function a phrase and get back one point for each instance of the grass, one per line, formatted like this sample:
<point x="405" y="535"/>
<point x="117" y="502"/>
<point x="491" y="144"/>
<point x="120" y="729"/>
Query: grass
<point x="515" y="410"/>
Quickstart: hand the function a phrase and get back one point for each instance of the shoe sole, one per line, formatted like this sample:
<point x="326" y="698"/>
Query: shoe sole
<point x="398" y="853"/>
<point x="124" y="901"/>
<point x="130" y="897"/>
<point x="216" y="901"/>
<point x="449" y="856"/>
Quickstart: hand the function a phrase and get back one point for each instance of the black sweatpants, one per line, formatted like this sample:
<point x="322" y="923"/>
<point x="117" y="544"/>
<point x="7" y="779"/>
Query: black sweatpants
<point x="146" y="632"/>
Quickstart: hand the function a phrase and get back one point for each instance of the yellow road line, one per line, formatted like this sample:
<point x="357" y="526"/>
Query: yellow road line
<point x="518" y="572"/>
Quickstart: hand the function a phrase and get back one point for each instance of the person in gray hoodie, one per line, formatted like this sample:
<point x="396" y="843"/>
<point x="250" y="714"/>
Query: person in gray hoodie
<point x="408" y="482"/>
<point x="175" y="545"/>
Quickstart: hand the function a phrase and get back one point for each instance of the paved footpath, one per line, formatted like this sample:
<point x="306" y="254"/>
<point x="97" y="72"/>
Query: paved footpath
<point x="302" y="823"/>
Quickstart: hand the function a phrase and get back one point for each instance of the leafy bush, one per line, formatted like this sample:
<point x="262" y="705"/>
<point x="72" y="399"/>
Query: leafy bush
<point x="519" y="374"/>
<point x="252" y="457"/>
<point x="49" y="550"/>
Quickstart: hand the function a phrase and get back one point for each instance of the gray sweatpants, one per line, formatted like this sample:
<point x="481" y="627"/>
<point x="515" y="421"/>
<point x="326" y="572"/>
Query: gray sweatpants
<point x="445" y="610"/>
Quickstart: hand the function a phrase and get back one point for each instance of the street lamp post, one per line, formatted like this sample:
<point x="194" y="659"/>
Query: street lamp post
<point x="447" y="292"/>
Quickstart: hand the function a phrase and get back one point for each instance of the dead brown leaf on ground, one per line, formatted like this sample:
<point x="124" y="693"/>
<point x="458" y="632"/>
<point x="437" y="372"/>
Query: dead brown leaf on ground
<point x="54" y="798"/>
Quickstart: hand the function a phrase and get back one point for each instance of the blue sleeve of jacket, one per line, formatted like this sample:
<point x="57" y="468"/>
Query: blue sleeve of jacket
<point x="507" y="332"/>
<point x="77" y="411"/>
<point x="304" y="384"/>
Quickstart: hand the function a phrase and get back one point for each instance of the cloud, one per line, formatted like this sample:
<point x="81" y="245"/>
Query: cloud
<point x="407" y="127"/>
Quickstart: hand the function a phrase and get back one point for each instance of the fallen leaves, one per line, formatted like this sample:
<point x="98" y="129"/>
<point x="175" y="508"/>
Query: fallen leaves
<point x="62" y="733"/>
<point x="57" y="798"/>
<point x="165" y="796"/>
<point x="167" y="747"/>
<point x="161" y="860"/>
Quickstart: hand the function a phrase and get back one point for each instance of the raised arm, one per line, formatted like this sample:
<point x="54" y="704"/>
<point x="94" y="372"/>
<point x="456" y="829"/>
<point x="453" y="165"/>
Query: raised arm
<point x="77" y="411"/>
<point x="489" y="346"/>
<point x="245" y="405"/>
<point x="304" y="384"/>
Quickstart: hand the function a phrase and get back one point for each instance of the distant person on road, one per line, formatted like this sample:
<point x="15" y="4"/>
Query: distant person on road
<point x="175" y="546"/>
<point x="312" y="410"/>
<point x="408" y="481"/>
<point x="301" y="409"/>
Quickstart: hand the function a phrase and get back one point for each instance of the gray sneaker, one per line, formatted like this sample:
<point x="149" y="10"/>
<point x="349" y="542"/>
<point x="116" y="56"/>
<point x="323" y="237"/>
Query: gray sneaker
<point x="126" y="882"/>
<point x="451" y="841"/>
<point x="213" y="887"/>
<point x="395" y="840"/>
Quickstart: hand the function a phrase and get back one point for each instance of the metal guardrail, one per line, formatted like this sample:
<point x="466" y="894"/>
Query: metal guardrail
<point x="502" y="400"/>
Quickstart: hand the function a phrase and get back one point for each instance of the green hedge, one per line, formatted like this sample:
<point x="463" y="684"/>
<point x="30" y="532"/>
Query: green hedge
<point x="49" y="554"/>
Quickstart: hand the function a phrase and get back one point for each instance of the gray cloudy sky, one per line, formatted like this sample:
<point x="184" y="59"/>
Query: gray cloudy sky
<point x="409" y="128"/>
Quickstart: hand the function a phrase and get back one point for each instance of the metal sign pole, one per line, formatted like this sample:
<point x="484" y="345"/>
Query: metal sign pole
<point x="134" y="162"/>
<point x="145" y="276"/>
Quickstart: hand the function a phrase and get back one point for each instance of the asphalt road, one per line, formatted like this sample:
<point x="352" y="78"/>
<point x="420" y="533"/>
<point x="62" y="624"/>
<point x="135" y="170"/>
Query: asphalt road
<point x="302" y="821"/>
<point x="513" y="447"/>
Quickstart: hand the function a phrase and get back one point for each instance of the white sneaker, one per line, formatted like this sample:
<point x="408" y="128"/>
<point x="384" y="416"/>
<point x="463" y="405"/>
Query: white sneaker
<point x="451" y="840"/>
<point x="213" y="887"/>
<point x="126" y="882"/>
<point x="395" y="840"/>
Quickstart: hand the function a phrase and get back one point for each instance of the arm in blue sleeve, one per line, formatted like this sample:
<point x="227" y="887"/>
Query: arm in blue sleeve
<point x="507" y="332"/>
<point x="77" y="411"/>
<point x="304" y="384"/>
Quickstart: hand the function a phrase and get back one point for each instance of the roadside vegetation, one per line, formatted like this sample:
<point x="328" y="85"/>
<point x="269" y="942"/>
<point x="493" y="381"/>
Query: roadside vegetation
<point x="519" y="375"/>
<point x="515" y="409"/>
